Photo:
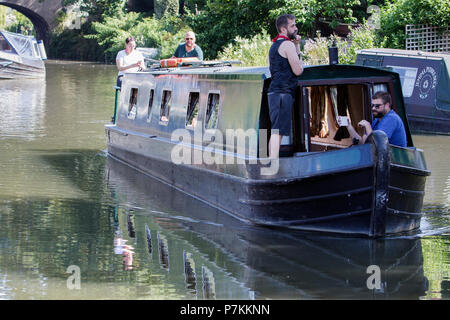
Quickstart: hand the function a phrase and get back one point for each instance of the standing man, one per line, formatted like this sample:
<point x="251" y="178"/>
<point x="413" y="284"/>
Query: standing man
<point x="385" y="119"/>
<point x="285" y="66"/>
<point x="189" y="48"/>
<point x="128" y="60"/>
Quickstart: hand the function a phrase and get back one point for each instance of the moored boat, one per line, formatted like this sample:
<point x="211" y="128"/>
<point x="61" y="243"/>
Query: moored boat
<point x="204" y="130"/>
<point x="21" y="56"/>
<point x="425" y="78"/>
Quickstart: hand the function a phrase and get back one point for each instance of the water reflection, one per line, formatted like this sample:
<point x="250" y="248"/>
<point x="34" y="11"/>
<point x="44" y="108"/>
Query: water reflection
<point x="236" y="259"/>
<point x="22" y="108"/>
<point x="189" y="272"/>
<point x="436" y="210"/>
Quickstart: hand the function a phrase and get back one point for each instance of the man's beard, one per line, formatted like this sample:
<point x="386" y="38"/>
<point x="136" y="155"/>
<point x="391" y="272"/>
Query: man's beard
<point x="378" y="115"/>
<point x="292" y="35"/>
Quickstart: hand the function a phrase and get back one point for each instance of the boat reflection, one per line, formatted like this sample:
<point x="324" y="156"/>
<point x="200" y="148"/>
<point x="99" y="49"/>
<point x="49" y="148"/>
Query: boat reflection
<point x="23" y="108"/>
<point x="219" y="254"/>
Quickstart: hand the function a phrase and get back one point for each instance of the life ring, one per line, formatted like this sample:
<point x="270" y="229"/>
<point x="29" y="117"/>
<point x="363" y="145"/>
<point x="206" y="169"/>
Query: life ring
<point x="175" y="62"/>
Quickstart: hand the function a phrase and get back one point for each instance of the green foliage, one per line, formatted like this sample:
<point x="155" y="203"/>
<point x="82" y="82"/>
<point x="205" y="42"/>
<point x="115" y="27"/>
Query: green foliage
<point x="308" y="12"/>
<point x="254" y="51"/>
<point x="73" y="45"/>
<point x="21" y="25"/>
<point x="166" y="7"/>
<point x="362" y="37"/>
<point x="395" y="15"/>
<point x="164" y="34"/>
<point x="220" y="22"/>
<point x="316" y="50"/>
<point x="3" y="11"/>
<point x="251" y="52"/>
<point x="97" y="9"/>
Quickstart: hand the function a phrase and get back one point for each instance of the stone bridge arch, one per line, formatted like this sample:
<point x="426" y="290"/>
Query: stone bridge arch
<point x="42" y="14"/>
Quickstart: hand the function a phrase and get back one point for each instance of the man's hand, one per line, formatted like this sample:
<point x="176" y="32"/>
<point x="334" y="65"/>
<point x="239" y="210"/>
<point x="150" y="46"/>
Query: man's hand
<point x="297" y="39"/>
<point x="364" y="124"/>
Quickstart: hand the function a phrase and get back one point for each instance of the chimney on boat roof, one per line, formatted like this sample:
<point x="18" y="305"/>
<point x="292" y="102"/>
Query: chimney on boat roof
<point x="333" y="54"/>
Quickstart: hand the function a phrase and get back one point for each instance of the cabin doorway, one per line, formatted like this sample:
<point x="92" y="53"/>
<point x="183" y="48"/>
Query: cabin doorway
<point x="315" y="126"/>
<point x="314" y="119"/>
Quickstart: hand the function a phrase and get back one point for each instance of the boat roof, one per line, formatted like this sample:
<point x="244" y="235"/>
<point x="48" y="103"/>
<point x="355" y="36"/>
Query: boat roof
<point x="21" y="44"/>
<point x="262" y="72"/>
<point x="405" y="53"/>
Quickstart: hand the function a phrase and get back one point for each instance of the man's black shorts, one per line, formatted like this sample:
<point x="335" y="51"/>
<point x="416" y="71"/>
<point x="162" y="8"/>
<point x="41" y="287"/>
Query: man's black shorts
<point x="280" y="110"/>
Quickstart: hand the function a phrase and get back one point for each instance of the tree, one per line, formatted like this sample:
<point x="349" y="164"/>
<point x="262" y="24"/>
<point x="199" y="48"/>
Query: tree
<point x="97" y="9"/>
<point x="397" y="14"/>
<point x="220" y="22"/>
<point x="166" y="7"/>
<point x="310" y="12"/>
<point x="164" y="34"/>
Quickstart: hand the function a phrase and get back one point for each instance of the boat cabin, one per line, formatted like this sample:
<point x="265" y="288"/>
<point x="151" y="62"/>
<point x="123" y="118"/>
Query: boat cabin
<point x="21" y="45"/>
<point x="220" y="98"/>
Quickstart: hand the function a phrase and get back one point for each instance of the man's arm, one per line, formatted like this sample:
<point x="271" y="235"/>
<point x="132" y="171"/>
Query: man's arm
<point x="141" y="62"/>
<point x="199" y="52"/>
<point x="120" y="67"/>
<point x="291" y="51"/>
<point x="367" y="131"/>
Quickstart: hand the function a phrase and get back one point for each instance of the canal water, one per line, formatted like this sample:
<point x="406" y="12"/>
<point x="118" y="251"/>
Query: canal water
<point x="75" y="224"/>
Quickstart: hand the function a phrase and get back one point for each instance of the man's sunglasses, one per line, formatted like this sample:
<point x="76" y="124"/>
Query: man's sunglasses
<point x="188" y="38"/>
<point x="376" y="106"/>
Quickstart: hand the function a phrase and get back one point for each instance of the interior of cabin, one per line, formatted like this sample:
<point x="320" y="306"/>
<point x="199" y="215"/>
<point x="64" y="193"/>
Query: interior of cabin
<point x="315" y="118"/>
<point x="326" y="104"/>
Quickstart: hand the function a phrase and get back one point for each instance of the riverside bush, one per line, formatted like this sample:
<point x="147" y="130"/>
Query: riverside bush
<point x="164" y="34"/>
<point x="251" y="52"/>
<point x="254" y="51"/>
<point x="315" y="50"/>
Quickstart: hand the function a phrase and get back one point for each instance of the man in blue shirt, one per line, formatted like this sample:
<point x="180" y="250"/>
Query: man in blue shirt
<point x="189" y="48"/>
<point x="385" y="119"/>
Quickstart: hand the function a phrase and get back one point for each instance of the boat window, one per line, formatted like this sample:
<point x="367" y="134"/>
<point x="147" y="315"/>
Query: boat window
<point x="132" y="106"/>
<point x="4" y="46"/>
<point x="192" y="109"/>
<point x="212" y="111"/>
<point x="165" y="106"/>
<point x="36" y="50"/>
<point x="380" y="87"/>
<point x="150" y="104"/>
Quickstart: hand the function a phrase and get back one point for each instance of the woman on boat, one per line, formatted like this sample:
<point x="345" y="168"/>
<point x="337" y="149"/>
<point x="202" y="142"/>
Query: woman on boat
<point x="128" y="60"/>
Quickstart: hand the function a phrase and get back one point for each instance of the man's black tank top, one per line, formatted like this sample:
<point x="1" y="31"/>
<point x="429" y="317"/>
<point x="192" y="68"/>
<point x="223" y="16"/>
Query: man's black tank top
<point x="283" y="79"/>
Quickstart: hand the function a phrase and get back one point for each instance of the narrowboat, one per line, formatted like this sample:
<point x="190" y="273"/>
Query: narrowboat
<point x="21" y="56"/>
<point x="204" y="129"/>
<point x="425" y="78"/>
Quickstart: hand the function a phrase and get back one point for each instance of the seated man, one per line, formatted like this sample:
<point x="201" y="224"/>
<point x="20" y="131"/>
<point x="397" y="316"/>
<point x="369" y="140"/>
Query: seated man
<point x="189" y="48"/>
<point x="385" y="119"/>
